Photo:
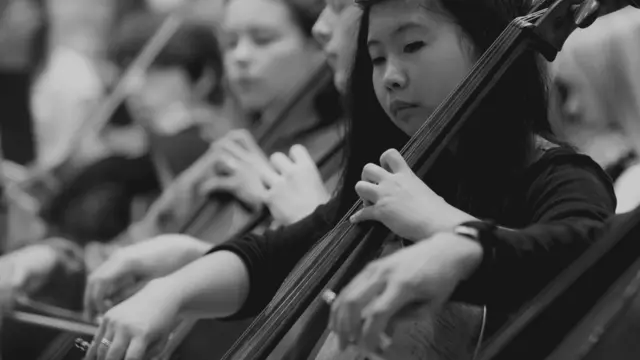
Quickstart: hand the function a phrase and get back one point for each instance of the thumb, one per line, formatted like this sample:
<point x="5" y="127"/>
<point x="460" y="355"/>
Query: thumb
<point x="368" y="213"/>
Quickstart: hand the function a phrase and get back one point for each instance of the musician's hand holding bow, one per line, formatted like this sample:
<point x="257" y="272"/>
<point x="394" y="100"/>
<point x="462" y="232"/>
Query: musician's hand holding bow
<point x="396" y="197"/>
<point x="132" y="267"/>
<point x="240" y="167"/>
<point x="424" y="274"/>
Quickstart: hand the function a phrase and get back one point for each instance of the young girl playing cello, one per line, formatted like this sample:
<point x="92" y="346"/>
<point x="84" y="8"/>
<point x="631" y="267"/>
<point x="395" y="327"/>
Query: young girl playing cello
<point x="410" y="56"/>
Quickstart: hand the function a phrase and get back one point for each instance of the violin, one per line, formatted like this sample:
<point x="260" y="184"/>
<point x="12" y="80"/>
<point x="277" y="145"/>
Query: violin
<point x="344" y="251"/>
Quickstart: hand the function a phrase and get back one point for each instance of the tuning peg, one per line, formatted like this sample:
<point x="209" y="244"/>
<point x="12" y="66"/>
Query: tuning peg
<point x="586" y="13"/>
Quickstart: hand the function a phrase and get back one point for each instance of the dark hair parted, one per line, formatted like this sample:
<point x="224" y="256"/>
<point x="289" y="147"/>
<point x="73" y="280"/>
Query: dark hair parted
<point x="194" y="47"/>
<point x="497" y="143"/>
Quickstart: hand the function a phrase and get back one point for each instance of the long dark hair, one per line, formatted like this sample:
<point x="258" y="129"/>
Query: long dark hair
<point x="494" y="147"/>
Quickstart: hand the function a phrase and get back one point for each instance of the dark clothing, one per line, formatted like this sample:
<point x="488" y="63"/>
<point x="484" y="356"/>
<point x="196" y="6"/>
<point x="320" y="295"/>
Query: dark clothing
<point x="96" y="204"/>
<point x="16" y="126"/>
<point x="555" y="204"/>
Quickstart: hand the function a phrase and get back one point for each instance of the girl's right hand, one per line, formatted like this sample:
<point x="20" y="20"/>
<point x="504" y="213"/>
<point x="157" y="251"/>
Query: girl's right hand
<point x="139" y="327"/>
<point x="132" y="267"/>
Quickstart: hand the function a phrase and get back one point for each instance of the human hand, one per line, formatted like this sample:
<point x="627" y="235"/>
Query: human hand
<point x="135" y="329"/>
<point x="298" y="189"/>
<point x="425" y="273"/>
<point x="240" y="168"/>
<point x="396" y="197"/>
<point x="130" y="268"/>
<point x="234" y="164"/>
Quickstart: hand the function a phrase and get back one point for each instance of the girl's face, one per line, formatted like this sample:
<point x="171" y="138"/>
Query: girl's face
<point x="337" y="29"/>
<point x="418" y="58"/>
<point x="265" y="52"/>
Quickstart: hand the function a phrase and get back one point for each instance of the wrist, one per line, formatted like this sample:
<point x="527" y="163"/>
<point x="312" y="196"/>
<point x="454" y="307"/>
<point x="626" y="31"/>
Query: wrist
<point x="458" y="217"/>
<point x="169" y="290"/>
<point x="470" y="255"/>
<point x="483" y="234"/>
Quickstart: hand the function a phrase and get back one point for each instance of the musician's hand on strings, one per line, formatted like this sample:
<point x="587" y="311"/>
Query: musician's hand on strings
<point x="132" y="267"/>
<point x="138" y="328"/>
<point x="425" y="273"/>
<point x="241" y="168"/>
<point x="397" y="198"/>
<point x="298" y="189"/>
<point x="211" y="172"/>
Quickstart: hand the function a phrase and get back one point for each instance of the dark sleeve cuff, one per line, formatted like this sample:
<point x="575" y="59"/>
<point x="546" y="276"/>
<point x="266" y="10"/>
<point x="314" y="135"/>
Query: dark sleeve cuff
<point x="474" y="289"/>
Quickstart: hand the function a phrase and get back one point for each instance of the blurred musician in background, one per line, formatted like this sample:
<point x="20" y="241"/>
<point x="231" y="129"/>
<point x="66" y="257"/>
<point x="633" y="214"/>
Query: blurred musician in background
<point x="335" y="30"/>
<point x="52" y="270"/>
<point x="595" y="98"/>
<point x="534" y="187"/>
<point x="261" y="54"/>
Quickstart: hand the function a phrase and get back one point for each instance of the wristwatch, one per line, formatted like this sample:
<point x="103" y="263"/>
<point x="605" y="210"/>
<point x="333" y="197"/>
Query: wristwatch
<point x="481" y="232"/>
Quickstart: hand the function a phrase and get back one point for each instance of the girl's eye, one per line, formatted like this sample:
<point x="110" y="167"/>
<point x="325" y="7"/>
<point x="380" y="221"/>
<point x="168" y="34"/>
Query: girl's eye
<point x="263" y="40"/>
<point x="377" y="61"/>
<point x="413" y="47"/>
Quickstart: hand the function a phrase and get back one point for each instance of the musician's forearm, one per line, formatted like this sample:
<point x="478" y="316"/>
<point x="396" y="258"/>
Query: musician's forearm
<point x="213" y="286"/>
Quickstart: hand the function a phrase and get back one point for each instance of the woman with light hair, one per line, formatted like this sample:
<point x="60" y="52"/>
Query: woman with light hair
<point x="595" y="98"/>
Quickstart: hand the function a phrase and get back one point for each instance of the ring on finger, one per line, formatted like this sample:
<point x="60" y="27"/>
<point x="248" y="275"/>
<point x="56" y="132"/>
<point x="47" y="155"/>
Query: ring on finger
<point x="104" y="342"/>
